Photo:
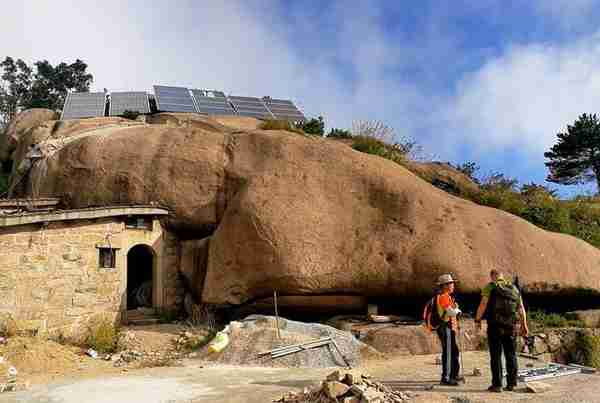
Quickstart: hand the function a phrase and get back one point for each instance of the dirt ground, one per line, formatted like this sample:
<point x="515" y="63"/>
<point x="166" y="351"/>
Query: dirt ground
<point x="196" y="381"/>
<point x="64" y="374"/>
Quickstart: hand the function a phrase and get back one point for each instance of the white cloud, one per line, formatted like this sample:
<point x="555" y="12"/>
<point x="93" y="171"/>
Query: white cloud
<point x="525" y="96"/>
<point x="241" y="49"/>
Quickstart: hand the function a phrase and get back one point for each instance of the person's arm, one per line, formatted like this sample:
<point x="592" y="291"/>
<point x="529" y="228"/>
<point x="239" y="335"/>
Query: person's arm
<point x="523" y="316"/>
<point x="481" y="309"/>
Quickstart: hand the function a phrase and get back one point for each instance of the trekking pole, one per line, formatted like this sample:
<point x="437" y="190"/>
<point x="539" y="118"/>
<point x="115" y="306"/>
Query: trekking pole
<point x="461" y="373"/>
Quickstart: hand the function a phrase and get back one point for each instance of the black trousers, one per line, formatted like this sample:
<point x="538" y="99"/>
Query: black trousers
<point x="450" y="353"/>
<point x="500" y="340"/>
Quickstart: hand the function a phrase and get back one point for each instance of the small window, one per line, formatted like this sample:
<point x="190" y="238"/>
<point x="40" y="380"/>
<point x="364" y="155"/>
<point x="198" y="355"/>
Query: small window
<point x="107" y="258"/>
<point x="139" y="223"/>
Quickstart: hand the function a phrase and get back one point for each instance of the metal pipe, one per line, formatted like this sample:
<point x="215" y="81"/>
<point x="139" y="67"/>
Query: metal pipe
<point x="276" y="314"/>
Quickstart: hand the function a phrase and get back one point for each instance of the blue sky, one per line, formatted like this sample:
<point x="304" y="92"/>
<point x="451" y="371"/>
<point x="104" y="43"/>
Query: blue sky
<point x="488" y="81"/>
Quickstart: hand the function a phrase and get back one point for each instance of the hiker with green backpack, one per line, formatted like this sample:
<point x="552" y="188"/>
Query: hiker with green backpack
<point x="502" y="306"/>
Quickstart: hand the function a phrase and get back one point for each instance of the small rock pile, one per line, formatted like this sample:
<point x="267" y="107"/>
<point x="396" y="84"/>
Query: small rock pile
<point x="347" y="387"/>
<point x="134" y="348"/>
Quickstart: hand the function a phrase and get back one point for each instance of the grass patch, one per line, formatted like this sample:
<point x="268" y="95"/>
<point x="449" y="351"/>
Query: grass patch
<point x="102" y="336"/>
<point x="275" y="124"/>
<point x="373" y="146"/>
<point x="541" y="319"/>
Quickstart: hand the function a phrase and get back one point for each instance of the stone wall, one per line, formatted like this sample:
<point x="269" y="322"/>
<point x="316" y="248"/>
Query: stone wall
<point x="51" y="280"/>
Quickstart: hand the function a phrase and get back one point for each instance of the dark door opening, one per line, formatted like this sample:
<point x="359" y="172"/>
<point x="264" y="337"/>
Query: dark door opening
<point x="139" y="277"/>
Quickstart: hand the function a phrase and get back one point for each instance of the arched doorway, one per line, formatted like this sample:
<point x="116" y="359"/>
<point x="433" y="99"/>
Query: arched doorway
<point x="140" y="284"/>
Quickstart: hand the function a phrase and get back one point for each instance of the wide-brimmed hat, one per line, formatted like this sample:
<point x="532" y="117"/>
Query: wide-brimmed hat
<point x="445" y="279"/>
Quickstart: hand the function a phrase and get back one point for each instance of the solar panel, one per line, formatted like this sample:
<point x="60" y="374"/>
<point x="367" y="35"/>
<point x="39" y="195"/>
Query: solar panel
<point x="84" y="105"/>
<point x="212" y="102"/>
<point x="173" y="99"/>
<point x="128" y="101"/>
<point x="249" y="106"/>
<point x="284" y="109"/>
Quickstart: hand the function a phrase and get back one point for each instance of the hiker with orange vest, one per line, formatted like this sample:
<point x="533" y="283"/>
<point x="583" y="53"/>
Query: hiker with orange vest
<point x="448" y="312"/>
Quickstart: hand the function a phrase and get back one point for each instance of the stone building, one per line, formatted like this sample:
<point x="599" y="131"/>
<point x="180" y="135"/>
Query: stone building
<point x="59" y="269"/>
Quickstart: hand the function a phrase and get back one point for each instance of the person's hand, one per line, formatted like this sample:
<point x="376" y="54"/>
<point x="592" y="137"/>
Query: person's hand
<point x="524" y="331"/>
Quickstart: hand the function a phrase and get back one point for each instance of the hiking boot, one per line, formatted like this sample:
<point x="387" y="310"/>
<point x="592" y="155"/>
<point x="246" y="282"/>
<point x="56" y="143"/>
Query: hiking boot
<point x="460" y="378"/>
<point x="450" y="382"/>
<point x="495" y="389"/>
<point x="510" y="388"/>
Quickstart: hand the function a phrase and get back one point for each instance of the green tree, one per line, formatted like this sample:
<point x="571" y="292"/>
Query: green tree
<point x="15" y="88"/>
<point x="47" y="87"/>
<point x="314" y="126"/>
<point x="340" y="134"/>
<point x="575" y="158"/>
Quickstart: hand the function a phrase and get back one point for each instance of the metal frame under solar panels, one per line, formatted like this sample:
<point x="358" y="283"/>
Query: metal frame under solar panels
<point x="284" y="109"/>
<point x="84" y="105"/>
<point x="212" y="102"/>
<point x="173" y="99"/>
<point x="128" y="101"/>
<point x="249" y="106"/>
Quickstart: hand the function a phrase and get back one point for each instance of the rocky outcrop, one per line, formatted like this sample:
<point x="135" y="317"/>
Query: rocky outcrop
<point x="22" y="123"/>
<point x="307" y="216"/>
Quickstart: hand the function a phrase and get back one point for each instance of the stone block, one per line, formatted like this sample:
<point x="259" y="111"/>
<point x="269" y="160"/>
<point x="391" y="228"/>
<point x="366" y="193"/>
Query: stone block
<point x="72" y="256"/>
<point x="8" y="297"/>
<point x="84" y="299"/>
<point x="40" y="295"/>
<point x="77" y="311"/>
<point x="333" y="389"/>
<point x="537" y="387"/>
<point x="372" y="396"/>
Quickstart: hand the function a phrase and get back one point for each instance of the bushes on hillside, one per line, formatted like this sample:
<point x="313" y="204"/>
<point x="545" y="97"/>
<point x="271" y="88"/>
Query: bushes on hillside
<point x="538" y="205"/>
<point x="339" y="134"/>
<point x="314" y="126"/>
<point x="275" y="124"/>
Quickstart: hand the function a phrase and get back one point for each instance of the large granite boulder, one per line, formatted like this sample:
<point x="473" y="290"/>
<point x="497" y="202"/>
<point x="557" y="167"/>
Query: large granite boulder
<point x="22" y="123"/>
<point x="305" y="215"/>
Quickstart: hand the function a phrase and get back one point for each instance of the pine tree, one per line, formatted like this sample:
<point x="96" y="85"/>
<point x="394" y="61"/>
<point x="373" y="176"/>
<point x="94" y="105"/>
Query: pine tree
<point x="575" y="158"/>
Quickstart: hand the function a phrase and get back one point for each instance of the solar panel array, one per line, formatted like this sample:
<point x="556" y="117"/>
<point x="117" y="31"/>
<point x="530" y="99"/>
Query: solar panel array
<point x="84" y="105"/>
<point x="128" y="101"/>
<point x="212" y="102"/>
<point x="284" y="109"/>
<point x="179" y="99"/>
<point x="250" y="106"/>
<point x="173" y="99"/>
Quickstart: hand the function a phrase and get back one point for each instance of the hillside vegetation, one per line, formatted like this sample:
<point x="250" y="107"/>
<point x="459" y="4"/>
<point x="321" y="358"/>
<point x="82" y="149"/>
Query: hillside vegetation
<point x="535" y="203"/>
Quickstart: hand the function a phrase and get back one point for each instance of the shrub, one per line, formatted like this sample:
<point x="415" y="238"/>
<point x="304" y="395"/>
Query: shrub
<point x="589" y="346"/>
<point x="370" y="145"/>
<point x="132" y="115"/>
<point x="339" y="134"/>
<point x="543" y="319"/>
<point x="314" y="126"/>
<point x="275" y="124"/>
<point x="102" y="336"/>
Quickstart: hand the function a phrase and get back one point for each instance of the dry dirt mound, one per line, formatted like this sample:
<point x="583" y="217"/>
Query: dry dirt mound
<point x="305" y="215"/>
<point x="34" y="356"/>
<point x="257" y="334"/>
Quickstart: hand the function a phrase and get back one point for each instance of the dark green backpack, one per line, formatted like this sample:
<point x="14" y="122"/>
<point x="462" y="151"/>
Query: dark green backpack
<point x="504" y="306"/>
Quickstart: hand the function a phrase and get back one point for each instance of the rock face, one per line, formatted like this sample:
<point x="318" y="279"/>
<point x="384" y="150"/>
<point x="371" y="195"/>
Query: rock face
<point x="305" y="215"/>
<point x="22" y="123"/>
